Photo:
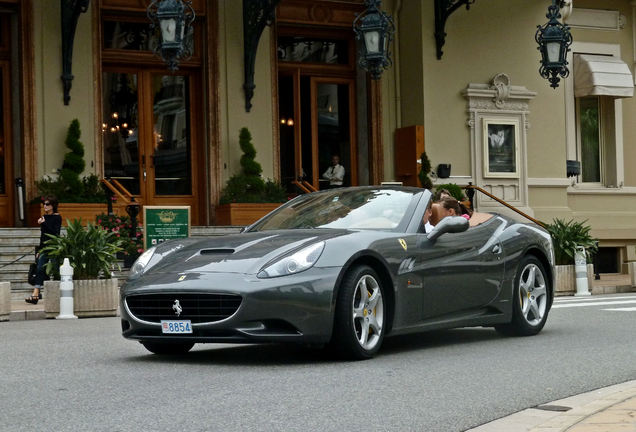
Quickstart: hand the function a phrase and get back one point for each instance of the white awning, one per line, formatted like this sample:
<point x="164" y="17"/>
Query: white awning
<point x="600" y="75"/>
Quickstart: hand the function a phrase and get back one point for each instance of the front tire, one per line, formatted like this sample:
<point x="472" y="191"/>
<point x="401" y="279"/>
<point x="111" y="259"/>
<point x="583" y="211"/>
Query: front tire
<point x="360" y="314"/>
<point x="168" y="348"/>
<point x="530" y="301"/>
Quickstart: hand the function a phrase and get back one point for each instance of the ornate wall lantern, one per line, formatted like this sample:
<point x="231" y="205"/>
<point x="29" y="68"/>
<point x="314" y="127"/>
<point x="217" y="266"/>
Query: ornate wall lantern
<point x="554" y="41"/>
<point x="375" y="28"/>
<point x="70" y="10"/>
<point x="174" y="18"/>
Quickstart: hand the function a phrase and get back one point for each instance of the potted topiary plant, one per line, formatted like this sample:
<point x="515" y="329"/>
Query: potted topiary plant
<point x="92" y="252"/>
<point x="566" y="236"/>
<point x="79" y="197"/>
<point x="247" y="196"/>
<point x="425" y="169"/>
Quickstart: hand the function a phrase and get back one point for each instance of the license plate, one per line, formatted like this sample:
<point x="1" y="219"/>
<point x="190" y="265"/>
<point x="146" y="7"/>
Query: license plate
<point x="176" y="326"/>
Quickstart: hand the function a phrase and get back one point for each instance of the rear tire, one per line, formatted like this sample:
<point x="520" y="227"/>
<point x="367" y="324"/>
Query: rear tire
<point x="530" y="299"/>
<point x="168" y="348"/>
<point x="360" y="314"/>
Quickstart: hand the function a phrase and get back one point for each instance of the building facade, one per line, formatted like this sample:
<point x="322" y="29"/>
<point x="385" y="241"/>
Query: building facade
<point x="482" y="108"/>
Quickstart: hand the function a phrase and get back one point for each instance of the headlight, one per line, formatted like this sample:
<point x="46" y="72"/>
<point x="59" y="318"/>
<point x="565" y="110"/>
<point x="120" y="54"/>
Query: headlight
<point x="142" y="262"/>
<point x="152" y="256"/>
<point x="295" y="263"/>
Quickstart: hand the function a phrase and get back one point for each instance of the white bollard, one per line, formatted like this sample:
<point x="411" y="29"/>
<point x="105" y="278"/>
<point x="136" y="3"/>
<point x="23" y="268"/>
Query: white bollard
<point x="580" y="268"/>
<point x="66" y="291"/>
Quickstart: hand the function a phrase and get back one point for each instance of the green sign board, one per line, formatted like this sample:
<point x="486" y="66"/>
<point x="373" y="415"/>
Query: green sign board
<point x="163" y="223"/>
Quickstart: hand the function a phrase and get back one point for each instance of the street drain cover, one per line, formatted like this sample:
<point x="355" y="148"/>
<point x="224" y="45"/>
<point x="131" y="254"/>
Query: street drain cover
<point x="559" y="408"/>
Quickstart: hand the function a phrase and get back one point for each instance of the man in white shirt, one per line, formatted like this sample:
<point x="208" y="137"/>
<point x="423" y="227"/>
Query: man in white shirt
<point x="335" y="173"/>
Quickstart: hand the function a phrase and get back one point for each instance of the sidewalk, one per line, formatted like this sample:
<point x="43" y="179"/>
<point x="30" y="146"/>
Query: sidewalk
<point x="610" y="409"/>
<point x="21" y="310"/>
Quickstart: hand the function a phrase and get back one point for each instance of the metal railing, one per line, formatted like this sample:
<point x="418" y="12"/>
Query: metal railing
<point x="470" y="192"/>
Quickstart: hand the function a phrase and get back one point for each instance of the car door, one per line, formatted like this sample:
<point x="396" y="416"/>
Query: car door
<point x="460" y="272"/>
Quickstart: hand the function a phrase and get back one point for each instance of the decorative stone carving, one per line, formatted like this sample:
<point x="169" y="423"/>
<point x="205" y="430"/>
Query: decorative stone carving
<point x="489" y="105"/>
<point x="501" y="84"/>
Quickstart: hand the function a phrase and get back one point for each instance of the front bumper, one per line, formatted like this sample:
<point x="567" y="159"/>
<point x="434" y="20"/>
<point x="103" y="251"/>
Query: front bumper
<point x="295" y="308"/>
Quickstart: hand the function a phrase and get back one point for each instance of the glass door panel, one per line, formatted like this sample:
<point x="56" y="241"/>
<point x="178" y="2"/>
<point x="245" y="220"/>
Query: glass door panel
<point x="287" y="129"/>
<point x="3" y="169"/>
<point x="305" y="146"/>
<point x="171" y="149"/>
<point x="333" y="134"/>
<point x="120" y="129"/>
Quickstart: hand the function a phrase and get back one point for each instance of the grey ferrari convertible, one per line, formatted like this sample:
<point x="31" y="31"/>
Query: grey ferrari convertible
<point x="344" y="267"/>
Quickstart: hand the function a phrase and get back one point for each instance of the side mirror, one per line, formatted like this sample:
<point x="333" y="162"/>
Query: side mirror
<point x="450" y="224"/>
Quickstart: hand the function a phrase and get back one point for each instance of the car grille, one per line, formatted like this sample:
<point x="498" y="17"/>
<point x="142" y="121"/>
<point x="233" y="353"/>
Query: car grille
<point x="198" y="308"/>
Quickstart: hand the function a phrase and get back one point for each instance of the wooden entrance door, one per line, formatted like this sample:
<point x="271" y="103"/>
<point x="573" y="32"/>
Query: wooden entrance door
<point x="151" y="133"/>
<point x="6" y="146"/>
<point x="6" y="165"/>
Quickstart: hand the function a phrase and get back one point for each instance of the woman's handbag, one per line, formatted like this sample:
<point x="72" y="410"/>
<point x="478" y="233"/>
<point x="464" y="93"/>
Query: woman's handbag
<point x="33" y="272"/>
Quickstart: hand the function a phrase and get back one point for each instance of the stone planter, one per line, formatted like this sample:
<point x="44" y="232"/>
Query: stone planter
<point x="632" y="272"/>
<point x="91" y="298"/>
<point x="243" y="213"/>
<point x="564" y="280"/>
<point x="5" y="301"/>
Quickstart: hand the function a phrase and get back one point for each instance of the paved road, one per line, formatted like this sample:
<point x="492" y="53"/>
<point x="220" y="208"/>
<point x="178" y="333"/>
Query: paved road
<point x="81" y="375"/>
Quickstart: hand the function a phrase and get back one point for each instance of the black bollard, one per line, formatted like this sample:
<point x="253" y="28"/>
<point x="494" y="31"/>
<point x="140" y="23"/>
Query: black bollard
<point x="133" y="210"/>
<point x="109" y="198"/>
<point x="597" y="275"/>
<point x="470" y="192"/>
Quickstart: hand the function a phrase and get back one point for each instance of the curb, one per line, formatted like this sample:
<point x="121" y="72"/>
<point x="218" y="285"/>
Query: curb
<point x="25" y="315"/>
<point x="550" y="417"/>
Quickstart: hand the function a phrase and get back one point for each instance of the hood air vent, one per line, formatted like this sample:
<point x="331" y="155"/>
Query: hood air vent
<point x="217" y="251"/>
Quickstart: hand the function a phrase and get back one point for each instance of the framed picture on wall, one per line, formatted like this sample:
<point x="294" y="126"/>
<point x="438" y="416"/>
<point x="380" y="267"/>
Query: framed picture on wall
<point x="501" y="147"/>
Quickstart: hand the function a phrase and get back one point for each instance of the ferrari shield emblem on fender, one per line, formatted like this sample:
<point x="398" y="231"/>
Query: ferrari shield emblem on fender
<point x="402" y="243"/>
<point x="182" y="277"/>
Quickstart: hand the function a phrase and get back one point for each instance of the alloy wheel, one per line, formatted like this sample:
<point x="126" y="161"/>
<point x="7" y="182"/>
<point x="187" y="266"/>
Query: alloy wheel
<point x="368" y="312"/>
<point x="533" y="294"/>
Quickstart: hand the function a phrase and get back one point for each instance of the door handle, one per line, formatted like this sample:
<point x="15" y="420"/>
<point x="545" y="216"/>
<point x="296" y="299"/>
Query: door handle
<point x="143" y="166"/>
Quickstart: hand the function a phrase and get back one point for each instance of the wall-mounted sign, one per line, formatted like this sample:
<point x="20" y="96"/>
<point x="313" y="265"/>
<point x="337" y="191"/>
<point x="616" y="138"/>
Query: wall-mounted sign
<point x="163" y="223"/>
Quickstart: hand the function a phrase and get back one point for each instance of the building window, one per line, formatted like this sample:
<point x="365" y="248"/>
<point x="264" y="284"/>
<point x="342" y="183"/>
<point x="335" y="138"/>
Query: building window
<point x="594" y="115"/>
<point x="596" y="143"/>
<point x="589" y="128"/>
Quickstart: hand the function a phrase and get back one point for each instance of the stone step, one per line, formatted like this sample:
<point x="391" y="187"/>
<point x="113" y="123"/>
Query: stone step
<point x="14" y="268"/>
<point x="7" y="258"/>
<point x="22" y="242"/>
<point x="7" y="249"/>
<point x="19" y="232"/>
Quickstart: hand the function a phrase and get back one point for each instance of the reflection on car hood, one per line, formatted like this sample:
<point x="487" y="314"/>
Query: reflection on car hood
<point x="238" y="253"/>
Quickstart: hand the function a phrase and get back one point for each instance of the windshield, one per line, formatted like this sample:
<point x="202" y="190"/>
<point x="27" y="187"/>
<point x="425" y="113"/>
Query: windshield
<point x="365" y="208"/>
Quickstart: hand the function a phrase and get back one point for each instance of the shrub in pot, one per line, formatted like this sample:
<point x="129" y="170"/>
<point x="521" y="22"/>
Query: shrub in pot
<point x="456" y="191"/>
<point x="247" y="196"/>
<point x="92" y="252"/>
<point x="566" y="235"/>
<point x="247" y="186"/>
<point x="121" y="226"/>
<point x="69" y="186"/>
